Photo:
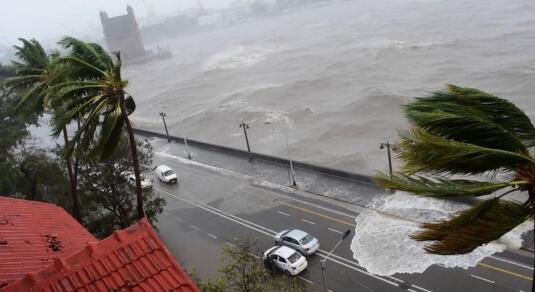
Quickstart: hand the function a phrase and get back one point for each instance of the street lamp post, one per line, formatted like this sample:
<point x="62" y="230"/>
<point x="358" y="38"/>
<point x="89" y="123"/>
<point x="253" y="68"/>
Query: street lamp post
<point x="322" y="262"/>
<point x="187" y="148"/>
<point x="245" y="127"/>
<point x="292" y="180"/>
<point x="387" y="146"/>
<point x="163" y="115"/>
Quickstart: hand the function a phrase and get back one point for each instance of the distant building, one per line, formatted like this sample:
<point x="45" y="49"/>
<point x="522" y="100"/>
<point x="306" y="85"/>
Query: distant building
<point x="122" y="34"/>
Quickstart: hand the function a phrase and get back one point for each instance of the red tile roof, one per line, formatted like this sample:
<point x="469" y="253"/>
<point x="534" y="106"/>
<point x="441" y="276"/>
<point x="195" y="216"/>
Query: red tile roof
<point x="32" y="234"/>
<point x="133" y="259"/>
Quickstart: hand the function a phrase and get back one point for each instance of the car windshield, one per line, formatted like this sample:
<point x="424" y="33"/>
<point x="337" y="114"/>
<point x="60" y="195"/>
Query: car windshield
<point x="168" y="173"/>
<point x="308" y="238"/>
<point x="294" y="257"/>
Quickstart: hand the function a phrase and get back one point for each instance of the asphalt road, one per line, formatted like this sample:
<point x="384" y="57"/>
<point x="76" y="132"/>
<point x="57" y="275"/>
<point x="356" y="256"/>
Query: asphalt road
<point x="211" y="207"/>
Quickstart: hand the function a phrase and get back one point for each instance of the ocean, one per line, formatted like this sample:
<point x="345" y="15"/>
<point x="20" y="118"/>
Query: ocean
<point x="340" y="73"/>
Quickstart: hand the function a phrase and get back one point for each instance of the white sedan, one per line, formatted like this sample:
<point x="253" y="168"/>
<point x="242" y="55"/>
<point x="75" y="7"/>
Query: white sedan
<point x="131" y="179"/>
<point x="166" y="174"/>
<point x="286" y="259"/>
<point x="298" y="240"/>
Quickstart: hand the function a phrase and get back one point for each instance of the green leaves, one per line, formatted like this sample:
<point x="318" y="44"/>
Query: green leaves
<point x="440" y="187"/>
<point x="481" y="224"/>
<point x="424" y="152"/>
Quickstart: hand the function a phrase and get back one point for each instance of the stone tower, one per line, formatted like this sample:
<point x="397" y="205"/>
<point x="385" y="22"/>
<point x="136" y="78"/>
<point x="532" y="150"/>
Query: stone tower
<point x="122" y="34"/>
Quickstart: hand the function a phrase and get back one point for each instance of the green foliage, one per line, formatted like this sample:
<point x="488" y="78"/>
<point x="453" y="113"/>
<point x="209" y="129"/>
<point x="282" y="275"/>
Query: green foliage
<point x="465" y="131"/>
<point x="107" y="199"/>
<point x="242" y="272"/>
<point x="481" y="224"/>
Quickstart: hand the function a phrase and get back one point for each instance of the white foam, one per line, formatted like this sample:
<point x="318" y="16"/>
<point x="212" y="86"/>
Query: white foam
<point x="239" y="56"/>
<point x="383" y="246"/>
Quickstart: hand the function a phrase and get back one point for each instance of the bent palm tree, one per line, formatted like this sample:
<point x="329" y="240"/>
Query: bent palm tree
<point x="96" y="91"/>
<point x="36" y="73"/>
<point x="465" y="131"/>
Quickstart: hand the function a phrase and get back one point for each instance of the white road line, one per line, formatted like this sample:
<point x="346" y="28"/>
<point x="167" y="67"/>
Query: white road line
<point x="282" y="213"/>
<point x="212" y="236"/>
<point x="510" y="262"/>
<point x="334" y="230"/>
<point x="334" y="258"/>
<point x="330" y="290"/>
<point x="309" y="222"/>
<point x="179" y="220"/>
<point x="194" y="227"/>
<point x="483" y="279"/>
<point x="306" y="280"/>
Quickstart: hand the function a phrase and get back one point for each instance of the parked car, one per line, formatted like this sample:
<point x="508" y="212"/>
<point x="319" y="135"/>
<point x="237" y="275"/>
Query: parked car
<point x="299" y="240"/>
<point x="286" y="259"/>
<point x="166" y="174"/>
<point x="131" y="179"/>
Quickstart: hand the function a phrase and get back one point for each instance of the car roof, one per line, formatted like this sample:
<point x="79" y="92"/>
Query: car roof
<point x="296" y="233"/>
<point x="164" y="167"/>
<point x="284" y="252"/>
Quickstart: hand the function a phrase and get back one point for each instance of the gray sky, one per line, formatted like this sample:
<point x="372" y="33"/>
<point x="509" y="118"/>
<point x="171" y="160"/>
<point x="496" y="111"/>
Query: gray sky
<point x="46" y="19"/>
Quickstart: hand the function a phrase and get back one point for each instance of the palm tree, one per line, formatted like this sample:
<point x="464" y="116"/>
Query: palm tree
<point x="36" y="73"/>
<point x="96" y="93"/>
<point x="467" y="132"/>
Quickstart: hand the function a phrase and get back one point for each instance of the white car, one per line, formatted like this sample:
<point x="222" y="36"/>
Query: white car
<point x="298" y="240"/>
<point x="166" y="174"/>
<point x="131" y="179"/>
<point x="286" y="259"/>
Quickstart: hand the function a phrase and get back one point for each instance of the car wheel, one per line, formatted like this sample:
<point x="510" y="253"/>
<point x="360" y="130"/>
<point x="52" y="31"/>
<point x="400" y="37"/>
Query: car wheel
<point x="277" y="243"/>
<point x="287" y="273"/>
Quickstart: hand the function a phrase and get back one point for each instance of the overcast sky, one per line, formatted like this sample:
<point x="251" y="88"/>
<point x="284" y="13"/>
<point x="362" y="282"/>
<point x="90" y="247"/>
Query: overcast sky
<point x="46" y="19"/>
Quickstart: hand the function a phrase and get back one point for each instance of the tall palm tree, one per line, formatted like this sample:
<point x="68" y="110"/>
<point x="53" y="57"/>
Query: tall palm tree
<point x="96" y="93"/>
<point x="467" y="132"/>
<point x="36" y="73"/>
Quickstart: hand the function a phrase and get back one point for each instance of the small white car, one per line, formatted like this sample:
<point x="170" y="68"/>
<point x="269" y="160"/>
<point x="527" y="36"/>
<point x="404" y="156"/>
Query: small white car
<point x="299" y="240"/>
<point x="166" y="174"/>
<point x="131" y="179"/>
<point x="286" y="259"/>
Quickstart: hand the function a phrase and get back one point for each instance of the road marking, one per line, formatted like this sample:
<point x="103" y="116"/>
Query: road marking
<point x="194" y="227"/>
<point x="282" y="213"/>
<point x="306" y="280"/>
<point x="481" y="278"/>
<point x="334" y="258"/>
<point x="179" y="220"/>
<point x="510" y="262"/>
<point x="212" y="236"/>
<point x="505" y="271"/>
<point x="334" y="230"/>
<point x="330" y="290"/>
<point x="318" y="214"/>
<point x="309" y="222"/>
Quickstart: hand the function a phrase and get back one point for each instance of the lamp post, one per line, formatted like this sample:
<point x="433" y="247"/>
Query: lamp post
<point x="245" y="127"/>
<point x="288" y="152"/>
<point x="163" y="115"/>
<point x="387" y="146"/>
<point x="187" y="148"/>
<point x="322" y="262"/>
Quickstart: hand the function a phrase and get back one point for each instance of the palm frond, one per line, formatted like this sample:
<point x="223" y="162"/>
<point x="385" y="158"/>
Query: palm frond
<point x="473" y="116"/>
<point x="479" y="225"/>
<point x="424" y="152"/>
<point x="440" y="187"/>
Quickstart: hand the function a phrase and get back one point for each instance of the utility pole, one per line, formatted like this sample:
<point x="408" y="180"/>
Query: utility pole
<point x="387" y="146"/>
<point x="292" y="180"/>
<point x="245" y="127"/>
<point x="163" y="115"/>
<point x="322" y="262"/>
<point x="187" y="148"/>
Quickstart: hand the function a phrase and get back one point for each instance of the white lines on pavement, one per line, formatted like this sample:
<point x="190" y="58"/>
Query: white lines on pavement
<point x="306" y="280"/>
<point x="282" y="213"/>
<point x="268" y="232"/>
<point x="179" y="220"/>
<point x="194" y="227"/>
<point x="330" y="290"/>
<point x="309" y="222"/>
<point x="212" y="236"/>
<point x="510" y="262"/>
<point x="334" y="230"/>
<point x="481" y="278"/>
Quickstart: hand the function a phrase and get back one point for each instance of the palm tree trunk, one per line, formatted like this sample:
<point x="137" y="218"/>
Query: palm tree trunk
<point x="73" y="181"/>
<point x="135" y="160"/>
<point x="532" y="200"/>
